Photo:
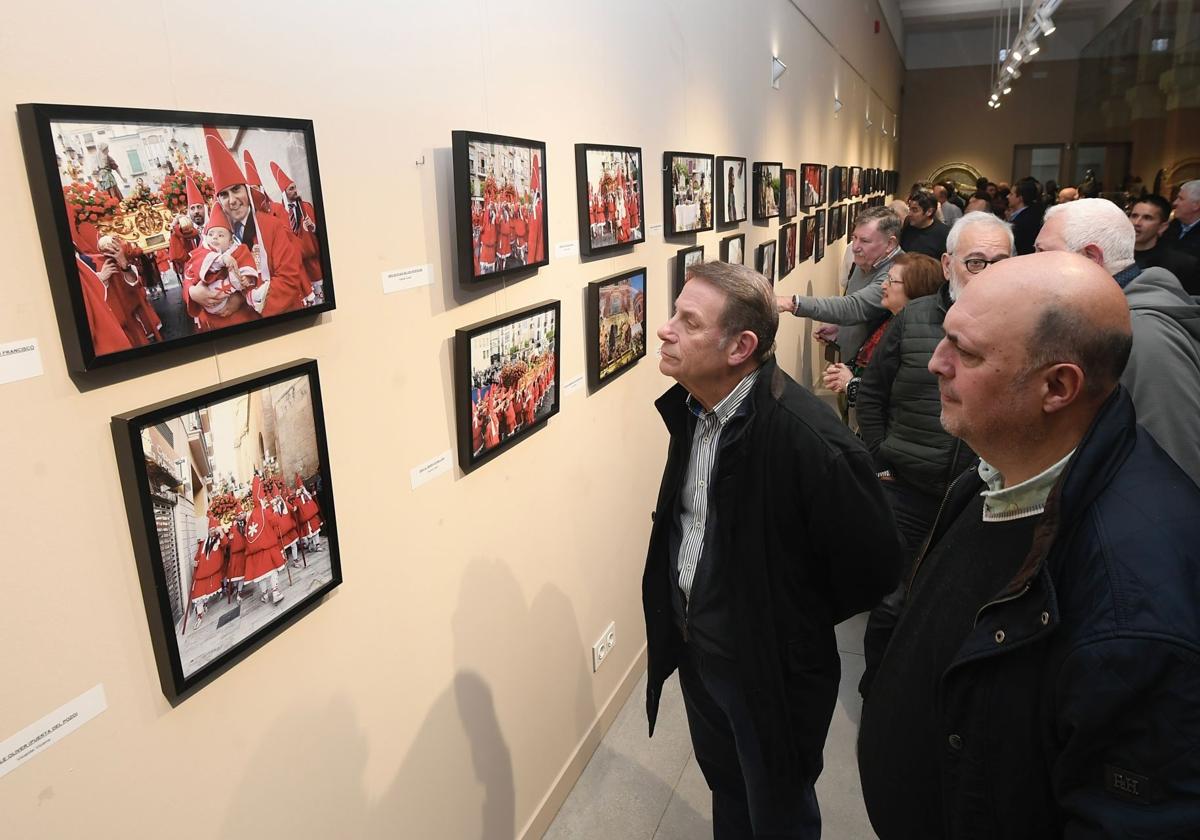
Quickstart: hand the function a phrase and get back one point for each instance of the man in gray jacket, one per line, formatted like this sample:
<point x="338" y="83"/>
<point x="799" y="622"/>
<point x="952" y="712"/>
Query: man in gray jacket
<point x="1163" y="374"/>
<point x="859" y="311"/>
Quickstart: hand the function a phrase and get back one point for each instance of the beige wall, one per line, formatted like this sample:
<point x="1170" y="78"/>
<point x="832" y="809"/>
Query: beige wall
<point x="445" y="690"/>
<point x="947" y="119"/>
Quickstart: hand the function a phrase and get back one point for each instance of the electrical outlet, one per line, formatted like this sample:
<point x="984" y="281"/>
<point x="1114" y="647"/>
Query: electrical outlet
<point x="604" y="646"/>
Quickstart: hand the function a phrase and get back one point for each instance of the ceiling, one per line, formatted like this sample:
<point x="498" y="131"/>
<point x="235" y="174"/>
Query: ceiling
<point x="926" y="15"/>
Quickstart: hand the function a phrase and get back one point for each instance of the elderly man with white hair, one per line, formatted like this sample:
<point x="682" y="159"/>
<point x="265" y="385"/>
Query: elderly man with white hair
<point x="1163" y="373"/>
<point x="1184" y="233"/>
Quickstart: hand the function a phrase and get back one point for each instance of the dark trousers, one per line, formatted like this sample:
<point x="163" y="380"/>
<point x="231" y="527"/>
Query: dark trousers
<point x="746" y="801"/>
<point x="914" y="512"/>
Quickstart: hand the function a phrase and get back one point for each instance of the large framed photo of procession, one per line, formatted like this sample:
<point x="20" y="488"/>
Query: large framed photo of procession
<point x="231" y="511"/>
<point x="506" y="380"/>
<point x="687" y="192"/>
<point x="612" y="210"/>
<point x="616" y="324"/>
<point x="499" y="205"/>
<point x="162" y="229"/>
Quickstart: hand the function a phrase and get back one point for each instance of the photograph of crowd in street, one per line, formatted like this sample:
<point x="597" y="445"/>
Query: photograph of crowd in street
<point x="610" y="197"/>
<point x="616" y="324"/>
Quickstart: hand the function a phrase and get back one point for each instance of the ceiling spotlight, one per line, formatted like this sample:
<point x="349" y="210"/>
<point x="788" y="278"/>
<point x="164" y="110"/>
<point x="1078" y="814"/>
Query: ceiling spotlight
<point x="1044" y="23"/>
<point x="995" y="96"/>
<point x="1016" y="74"/>
<point x="997" y="105"/>
<point x="1007" y="90"/>
<point x="837" y="104"/>
<point x="1034" y="50"/>
<point x="1016" y="54"/>
<point x="778" y="68"/>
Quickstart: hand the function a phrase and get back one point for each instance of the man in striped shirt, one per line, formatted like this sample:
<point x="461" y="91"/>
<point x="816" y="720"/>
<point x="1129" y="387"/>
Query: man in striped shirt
<point x="770" y="527"/>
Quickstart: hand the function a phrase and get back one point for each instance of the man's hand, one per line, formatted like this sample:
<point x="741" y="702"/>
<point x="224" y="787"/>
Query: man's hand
<point x="826" y="333"/>
<point x="107" y="270"/>
<point x="837" y="377"/>
<point x="785" y="303"/>
<point x="203" y="295"/>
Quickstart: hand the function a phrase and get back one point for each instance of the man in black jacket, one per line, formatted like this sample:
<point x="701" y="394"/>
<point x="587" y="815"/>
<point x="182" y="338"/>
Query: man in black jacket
<point x="1042" y="680"/>
<point x="1150" y="215"/>
<point x="770" y="528"/>
<point x="1183" y="234"/>
<point x="1025" y="213"/>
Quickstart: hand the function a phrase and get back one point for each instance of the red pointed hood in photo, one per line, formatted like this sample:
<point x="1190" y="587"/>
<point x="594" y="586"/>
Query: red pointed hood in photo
<point x="259" y="532"/>
<point x="251" y="170"/>
<point x="225" y="171"/>
<point x="213" y="522"/>
<point x="194" y="196"/>
<point x="218" y="219"/>
<point x="281" y="177"/>
<point x="535" y="178"/>
<point x="299" y="485"/>
<point x="85" y="236"/>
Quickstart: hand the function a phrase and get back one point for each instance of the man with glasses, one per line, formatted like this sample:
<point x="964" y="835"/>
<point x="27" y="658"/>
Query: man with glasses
<point x="898" y="407"/>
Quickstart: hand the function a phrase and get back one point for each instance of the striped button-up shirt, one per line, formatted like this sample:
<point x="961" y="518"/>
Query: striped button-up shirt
<point x="694" y="500"/>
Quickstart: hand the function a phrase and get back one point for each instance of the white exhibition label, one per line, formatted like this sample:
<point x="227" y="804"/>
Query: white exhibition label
<point x="407" y="278"/>
<point x="430" y="470"/>
<point x="20" y="360"/>
<point x="655" y="229"/>
<point x="566" y="249"/>
<point x="573" y="386"/>
<point x="57" y="725"/>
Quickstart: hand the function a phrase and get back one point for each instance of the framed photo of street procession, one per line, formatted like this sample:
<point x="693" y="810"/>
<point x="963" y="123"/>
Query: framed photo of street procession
<point x="231" y="512"/>
<point x="499" y="205"/>
<point x="506" y="380"/>
<point x="163" y="229"/>
<point x="616" y="324"/>
<point x="612" y="209"/>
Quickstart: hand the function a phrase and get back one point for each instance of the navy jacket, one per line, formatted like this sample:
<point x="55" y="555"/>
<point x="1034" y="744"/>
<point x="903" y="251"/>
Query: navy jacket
<point x="1073" y="708"/>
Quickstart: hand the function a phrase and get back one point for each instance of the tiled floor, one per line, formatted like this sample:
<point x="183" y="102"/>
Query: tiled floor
<point x="637" y="788"/>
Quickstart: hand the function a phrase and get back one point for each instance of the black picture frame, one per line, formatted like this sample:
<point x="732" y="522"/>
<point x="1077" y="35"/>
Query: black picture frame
<point x="532" y="326"/>
<point x="728" y="212"/>
<point x="162" y="504"/>
<point x="819" y="236"/>
<point x="831" y="231"/>
<point x="616" y="318"/>
<point x="476" y="194"/>
<point x="790" y="206"/>
<point x="856" y="184"/>
<point x="812" y="184"/>
<point x="788" y="249"/>
<point x="852" y="211"/>
<point x="843" y="217"/>
<point x="768" y="181"/>
<point x="625" y="188"/>
<point x="98" y="329"/>
<point x="804" y="236"/>
<point x="835" y="184"/>
<point x="684" y="259"/>
<point x="687" y="192"/>
<point x="764" y="260"/>
<point x="844" y="189"/>
<point x="726" y="248"/>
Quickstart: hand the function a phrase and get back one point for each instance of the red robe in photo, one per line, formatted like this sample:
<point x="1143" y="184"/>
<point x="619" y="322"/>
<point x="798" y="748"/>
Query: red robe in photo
<point x="285" y="524"/>
<point x="210" y="569"/>
<point x="504" y="246"/>
<point x="182" y="244"/>
<point x="262" y="542"/>
<point x="283" y="265"/>
<point x="488" y="237"/>
<point x="310" y="247"/>
<point x="536" y="245"/>
<point x="237" y="555"/>
<point x="108" y="334"/>
<point x="202" y="267"/>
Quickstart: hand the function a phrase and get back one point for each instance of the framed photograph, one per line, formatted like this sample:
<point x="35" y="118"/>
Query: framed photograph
<point x="856" y="190"/>
<point x="768" y="183"/>
<point x="685" y="258"/>
<point x="819" y="236"/>
<point x="231" y="511"/>
<point x="733" y="249"/>
<point x="844" y="189"/>
<point x="805" y="235"/>
<point x="831" y="232"/>
<point x="843" y="213"/>
<point x="789" y="194"/>
<point x="731" y="189"/>
<point x="499" y="205"/>
<point x="612" y="210"/>
<point x="787" y="249"/>
<point x="159" y="231"/>
<point x="506" y="380"/>
<point x="616" y="324"/>
<point x="812" y="177"/>
<point x="764" y="260"/>
<point x="687" y="192"/>
<point x="835" y="184"/>
<point x="852" y="211"/>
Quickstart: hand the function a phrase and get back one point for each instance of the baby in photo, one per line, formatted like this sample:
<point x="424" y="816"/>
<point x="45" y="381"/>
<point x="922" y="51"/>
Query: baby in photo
<point x="226" y="269"/>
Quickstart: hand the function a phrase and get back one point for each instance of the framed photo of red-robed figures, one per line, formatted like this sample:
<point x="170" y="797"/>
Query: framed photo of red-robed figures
<point x="856" y="185"/>
<point x="616" y="324"/>
<point x="231" y="511"/>
<point x="731" y="190"/>
<point x="164" y="229"/>
<point x="768" y="189"/>
<point x="506" y="380"/>
<point x="787" y="249"/>
<point x="764" y="260"/>
<point x="499" y="205"/>
<point x="812" y="184"/>
<point x="733" y="249"/>
<point x="790" y="206"/>
<point x="844" y="188"/>
<point x="612" y="211"/>
<point x="687" y="192"/>
<point x="685" y="258"/>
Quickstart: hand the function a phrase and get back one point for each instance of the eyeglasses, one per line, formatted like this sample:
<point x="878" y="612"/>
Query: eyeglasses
<point x="888" y="281"/>
<point x="977" y="264"/>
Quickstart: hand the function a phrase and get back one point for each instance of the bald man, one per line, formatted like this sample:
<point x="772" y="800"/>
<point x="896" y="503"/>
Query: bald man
<point x="1042" y="679"/>
<point x="1068" y="194"/>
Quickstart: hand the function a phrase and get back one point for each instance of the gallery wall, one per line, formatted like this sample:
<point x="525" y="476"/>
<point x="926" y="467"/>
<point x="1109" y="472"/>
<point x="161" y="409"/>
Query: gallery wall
<point x="445" y="690"/>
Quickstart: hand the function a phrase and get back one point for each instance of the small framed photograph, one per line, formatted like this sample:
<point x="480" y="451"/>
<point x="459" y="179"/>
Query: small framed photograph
<point x="159" y="231"/>
<point x="789" y="194"/>
<point x="687" y="192"/>
<point x="616" y="324"/>
<point x="818" y="236"/>
<point x="733" y="249"/>
<point x="499" y="205"/>
<point x="812" y="177"/>
<point x="831" y="233"/>
<point x="856" y="190"/>
<point x="764" y="260"/>
<point x="731" y="189"/>
<point x="787" y="249"/>
<point x="844" y="189"/>
<point x="852" y="211"/>
<point x="835" y="184"/>
<point x="843" y="213"/>
<point x="612" y="211"/>
<point x="506" y="380"/>
<point x="231" y="510"/>
<point x="805" y="235"/>
<point x="685" y="258"/>
<point x="768" y="183"/>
